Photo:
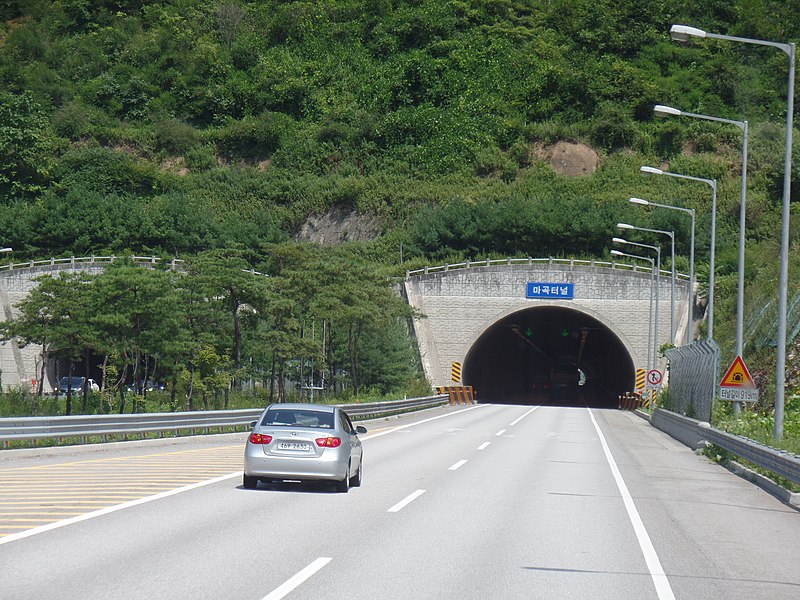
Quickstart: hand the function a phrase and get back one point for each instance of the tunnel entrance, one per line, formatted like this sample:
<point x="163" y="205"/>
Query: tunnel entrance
<point x="549" y="355"/>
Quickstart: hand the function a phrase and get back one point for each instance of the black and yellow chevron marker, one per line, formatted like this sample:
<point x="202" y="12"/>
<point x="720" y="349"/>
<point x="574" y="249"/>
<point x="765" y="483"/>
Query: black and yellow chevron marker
<point x="640" y="378"/>
<point x="455" y="372"/>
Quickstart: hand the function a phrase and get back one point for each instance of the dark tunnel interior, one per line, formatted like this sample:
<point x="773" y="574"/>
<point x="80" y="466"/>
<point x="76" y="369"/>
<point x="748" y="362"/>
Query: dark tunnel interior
<point x="549" y="355"/>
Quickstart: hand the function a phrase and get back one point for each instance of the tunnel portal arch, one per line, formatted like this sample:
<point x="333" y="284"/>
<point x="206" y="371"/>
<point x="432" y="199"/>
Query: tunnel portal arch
<point x="549" y="354"/>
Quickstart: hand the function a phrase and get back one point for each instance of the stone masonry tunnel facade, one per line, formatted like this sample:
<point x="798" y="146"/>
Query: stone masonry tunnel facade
<point x="515" y="346"/>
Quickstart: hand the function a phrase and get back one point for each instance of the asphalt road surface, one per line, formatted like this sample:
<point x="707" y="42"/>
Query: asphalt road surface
<point x="487" y="501"/>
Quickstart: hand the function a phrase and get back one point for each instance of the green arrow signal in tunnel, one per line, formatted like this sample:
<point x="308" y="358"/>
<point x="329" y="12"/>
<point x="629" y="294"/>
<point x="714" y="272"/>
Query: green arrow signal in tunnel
<point x="564" y="332"/>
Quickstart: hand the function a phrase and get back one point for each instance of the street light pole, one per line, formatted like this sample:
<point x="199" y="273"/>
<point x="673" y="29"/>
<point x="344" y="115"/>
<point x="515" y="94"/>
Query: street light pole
<point x="671" y="235"/>
<point x="661" y="110"/>
<point x="690" y="303"/>
<point x="649" y="326"/>
<point x="657" y="249"/>
<point x="712" y="267"/>
<point x="686" y="33"/>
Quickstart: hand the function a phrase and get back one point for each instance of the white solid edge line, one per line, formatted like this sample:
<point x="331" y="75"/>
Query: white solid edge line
<point x="523" y="416"/>
<point x="660" y="581"/>
<point x="110" y="509"/>
<point x="484" y="445"/>
<point x="295" y="581"/>
<point x="399" y="427"/>
<point x="458" y="465"/>
<point x="406" y="501"/>
<point x="499" y="433"/>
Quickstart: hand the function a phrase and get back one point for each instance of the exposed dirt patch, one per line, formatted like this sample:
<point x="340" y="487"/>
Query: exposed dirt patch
<point x="339" y="225"/>
<point x="573" y="159"/>
<point x="176" y="165"/>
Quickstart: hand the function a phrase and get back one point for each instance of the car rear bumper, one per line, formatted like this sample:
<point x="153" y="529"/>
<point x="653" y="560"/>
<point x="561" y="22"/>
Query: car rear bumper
<point x="331" y="467"/>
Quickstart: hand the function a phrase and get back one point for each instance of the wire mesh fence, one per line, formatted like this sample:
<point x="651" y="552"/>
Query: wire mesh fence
<point x="761" y="326"/>
<point x="693" y="378"/>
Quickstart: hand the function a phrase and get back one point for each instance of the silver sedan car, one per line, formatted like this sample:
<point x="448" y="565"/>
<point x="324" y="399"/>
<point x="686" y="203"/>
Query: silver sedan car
<point x="304" y="442"/>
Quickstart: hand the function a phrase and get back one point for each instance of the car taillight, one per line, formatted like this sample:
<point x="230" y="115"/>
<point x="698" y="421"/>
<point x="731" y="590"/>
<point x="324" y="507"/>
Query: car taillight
<point x="258" y="438"/>
<point x="329" y="442"/>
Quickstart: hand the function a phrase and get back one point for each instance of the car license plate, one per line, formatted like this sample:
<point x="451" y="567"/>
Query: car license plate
<point x="294" y="446"/>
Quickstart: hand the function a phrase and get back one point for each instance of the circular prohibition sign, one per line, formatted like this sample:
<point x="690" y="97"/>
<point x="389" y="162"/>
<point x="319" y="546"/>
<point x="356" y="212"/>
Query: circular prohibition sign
<point x="654" y="377"/>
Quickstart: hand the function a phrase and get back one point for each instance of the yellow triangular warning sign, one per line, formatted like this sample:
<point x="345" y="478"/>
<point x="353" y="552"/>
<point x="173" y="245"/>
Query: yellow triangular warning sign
<point x="737" y="376"/>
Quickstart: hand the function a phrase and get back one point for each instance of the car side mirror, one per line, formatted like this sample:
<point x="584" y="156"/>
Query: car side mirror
<point x="253" y="424"/>
<point x="361" y="429"/>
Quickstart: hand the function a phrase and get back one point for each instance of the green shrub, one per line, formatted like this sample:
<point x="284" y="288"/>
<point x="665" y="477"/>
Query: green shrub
<point x="72" y="121"/>
<point x="253" y="137"/>
<point x="201" y="157"/>
<point x="175" y="136"/>
<point x="613" y="127"/>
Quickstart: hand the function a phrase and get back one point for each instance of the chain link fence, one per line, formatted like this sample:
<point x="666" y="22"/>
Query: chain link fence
<point x="693" y="378"/>
<point x="761" y="325"/>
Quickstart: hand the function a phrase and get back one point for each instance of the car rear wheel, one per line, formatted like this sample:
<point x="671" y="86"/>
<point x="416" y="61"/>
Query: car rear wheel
<point x="343" y="486"/>
<point x="356" y="479"/>
<point x="249" y="483"/>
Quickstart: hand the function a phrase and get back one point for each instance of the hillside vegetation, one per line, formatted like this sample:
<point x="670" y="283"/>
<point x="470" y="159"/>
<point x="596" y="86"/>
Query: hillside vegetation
<point x="180" y="127"/>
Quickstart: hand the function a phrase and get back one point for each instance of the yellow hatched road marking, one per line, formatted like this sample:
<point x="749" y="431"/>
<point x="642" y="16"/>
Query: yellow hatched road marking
<point x="4" y="513"/>
<point x="44" y="494"/>
<point x="23" y="520"/>
<point x="175" y="453"/>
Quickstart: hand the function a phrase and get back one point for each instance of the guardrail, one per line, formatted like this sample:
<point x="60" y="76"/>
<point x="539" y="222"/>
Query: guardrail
<point x="83" y="426"/>
<point x="84" y="260"/>
<point x="530" y="261"/>
<point x="696" y="434"/>
<point x="77" y="261"/>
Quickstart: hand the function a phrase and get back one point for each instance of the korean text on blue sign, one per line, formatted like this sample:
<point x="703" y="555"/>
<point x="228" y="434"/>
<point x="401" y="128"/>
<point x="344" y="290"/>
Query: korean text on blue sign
<point x="564" y="291"/>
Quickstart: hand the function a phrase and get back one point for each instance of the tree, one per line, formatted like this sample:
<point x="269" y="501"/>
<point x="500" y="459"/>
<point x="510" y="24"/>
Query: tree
<point x="25" y="145"/>
<point x="354" y="297"/>
<point x="229" y="21"/>
<point x="136" y="311"/>
<point x="54" y="316"/>
<point x="228" y="278"/>
<point x="201" y="325"/>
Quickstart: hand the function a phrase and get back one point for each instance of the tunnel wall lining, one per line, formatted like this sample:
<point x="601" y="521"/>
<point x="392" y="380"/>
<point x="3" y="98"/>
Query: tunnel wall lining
<point x="460" y="305"/>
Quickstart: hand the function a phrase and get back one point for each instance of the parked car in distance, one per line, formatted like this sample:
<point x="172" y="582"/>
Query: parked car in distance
<point x="305" y="442"/>
<point x="149" y="386"/>
<point x="75" y="385"/>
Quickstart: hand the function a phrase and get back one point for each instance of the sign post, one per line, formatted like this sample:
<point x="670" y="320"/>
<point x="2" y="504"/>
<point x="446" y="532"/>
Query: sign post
<point x="737" y="384"/>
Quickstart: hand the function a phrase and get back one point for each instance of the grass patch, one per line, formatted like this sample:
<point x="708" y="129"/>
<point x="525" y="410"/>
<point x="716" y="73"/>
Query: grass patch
<point x="758" y="424"/>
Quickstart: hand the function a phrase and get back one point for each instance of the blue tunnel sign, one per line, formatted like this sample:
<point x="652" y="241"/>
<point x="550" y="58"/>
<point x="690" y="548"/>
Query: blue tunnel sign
<point x="563" y="291"/>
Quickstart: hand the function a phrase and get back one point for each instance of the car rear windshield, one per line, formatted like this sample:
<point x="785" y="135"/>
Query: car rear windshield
<point x="298" y="418"/>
